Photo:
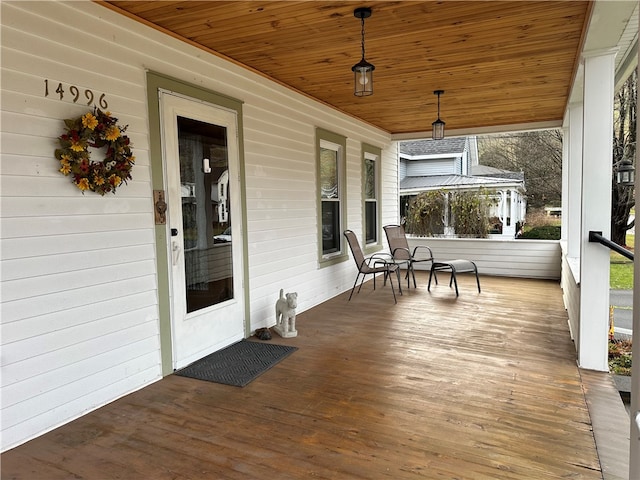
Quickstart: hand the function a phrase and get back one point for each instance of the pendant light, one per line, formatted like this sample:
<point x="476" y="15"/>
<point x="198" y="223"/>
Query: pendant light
<point x="363" y="70"/>
<point x="438" y="125"/>
<point x="625" y="173"/>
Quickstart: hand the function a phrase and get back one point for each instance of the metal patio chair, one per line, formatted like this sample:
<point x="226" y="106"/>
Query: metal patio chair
<point x="401" y="253"/>
<point x="372" y="265"/>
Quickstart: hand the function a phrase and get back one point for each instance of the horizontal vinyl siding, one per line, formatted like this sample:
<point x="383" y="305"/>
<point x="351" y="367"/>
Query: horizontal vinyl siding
<point x="439" y="166"/>
<point x="79" y="281"/>
<point x="282" y="201"/>
<point x="511" y="258"/>
<point x="79" y="301"/>
<point x="571" y="298"/>
<point x="402" y="169"/>
<point x="390" y="175"/>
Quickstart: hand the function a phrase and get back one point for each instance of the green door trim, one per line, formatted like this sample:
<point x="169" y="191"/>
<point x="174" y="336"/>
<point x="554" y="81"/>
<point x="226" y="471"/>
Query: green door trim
<point x="155" y="83"/>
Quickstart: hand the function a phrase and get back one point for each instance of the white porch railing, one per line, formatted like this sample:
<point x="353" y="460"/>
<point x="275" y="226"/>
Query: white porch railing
<point x="510" y="258"/>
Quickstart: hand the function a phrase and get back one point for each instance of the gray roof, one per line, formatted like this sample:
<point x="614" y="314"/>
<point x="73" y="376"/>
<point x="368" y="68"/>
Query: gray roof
<point x="432" y="182"/>
<point x="486" y="171"/>
<point x="446" y="146"/>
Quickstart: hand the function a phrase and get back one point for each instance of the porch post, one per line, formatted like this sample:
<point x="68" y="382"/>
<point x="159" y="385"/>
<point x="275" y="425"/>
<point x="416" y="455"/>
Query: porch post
<point x="572" y="169"/>
<point x="597" y="147"/>
<point x="634" y="438"/>
<point x="564" y="216"/>
<point x="513" y="214"/>
<point x="502" y="210"/>
<point x="449" y="229"/>
<point x="510" y="213"/>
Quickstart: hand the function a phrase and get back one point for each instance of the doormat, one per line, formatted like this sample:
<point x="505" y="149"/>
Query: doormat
<point x="237" y="364"/>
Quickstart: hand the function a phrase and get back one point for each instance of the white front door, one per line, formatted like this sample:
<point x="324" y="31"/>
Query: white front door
<point x="201" y="160"/>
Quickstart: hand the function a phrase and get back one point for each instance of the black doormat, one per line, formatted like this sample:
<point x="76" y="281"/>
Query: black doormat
<point x="238" y="364"/>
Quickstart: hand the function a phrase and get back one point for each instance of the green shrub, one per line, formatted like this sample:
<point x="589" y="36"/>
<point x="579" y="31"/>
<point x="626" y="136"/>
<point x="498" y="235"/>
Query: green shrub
<point x="545" y="232"/>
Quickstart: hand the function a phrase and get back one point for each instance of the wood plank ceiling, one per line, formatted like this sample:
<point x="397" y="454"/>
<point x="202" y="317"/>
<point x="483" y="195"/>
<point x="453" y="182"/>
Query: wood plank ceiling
<point x="499" y="63"/>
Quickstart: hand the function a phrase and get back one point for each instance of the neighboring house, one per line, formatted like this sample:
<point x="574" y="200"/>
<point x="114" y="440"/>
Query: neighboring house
<point x="450" y="165"/>
<point x="219" y="196"/>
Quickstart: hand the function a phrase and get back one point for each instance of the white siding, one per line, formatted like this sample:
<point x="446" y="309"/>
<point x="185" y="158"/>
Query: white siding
<point x="79" y="301"/>
<point x="79" y="282"/>
<point x="571" y="298"/>
<point x="390" y="186"/>
<point x="403" y="168"/>
<point x="511" y="258"/>
<point x="458" y="166"/>
<point x="434" y="166"/>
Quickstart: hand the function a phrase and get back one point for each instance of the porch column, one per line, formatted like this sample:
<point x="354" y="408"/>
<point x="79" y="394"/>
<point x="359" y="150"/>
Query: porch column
<point x="509" y="229"/>
<point x="597" y="147"/>
<point x="449" y="230"/>
<point x="634" y="438"/>
<point x="572" y="168"/>
<point x="564" y="216"/>
<point x="634" y="443"/>
<point x="502" y="209"/>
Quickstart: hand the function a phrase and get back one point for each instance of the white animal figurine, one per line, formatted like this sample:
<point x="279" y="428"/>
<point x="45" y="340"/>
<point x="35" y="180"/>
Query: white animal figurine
<point x="286" y="314"/>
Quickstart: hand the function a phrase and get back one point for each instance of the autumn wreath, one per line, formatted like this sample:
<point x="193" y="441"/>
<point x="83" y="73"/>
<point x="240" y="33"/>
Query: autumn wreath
<point x="95" y="129"/>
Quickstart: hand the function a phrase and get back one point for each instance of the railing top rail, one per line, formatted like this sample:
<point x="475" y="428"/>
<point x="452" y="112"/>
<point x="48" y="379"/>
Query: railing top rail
<point x="597" y="237"/>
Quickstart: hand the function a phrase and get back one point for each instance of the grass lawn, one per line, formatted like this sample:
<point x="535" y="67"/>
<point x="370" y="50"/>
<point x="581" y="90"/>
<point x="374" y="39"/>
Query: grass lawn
<point x="621" y="273"/>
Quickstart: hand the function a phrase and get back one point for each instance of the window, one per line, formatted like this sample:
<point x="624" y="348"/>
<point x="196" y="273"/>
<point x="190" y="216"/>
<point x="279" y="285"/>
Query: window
<point x="331" y="193"/>
<point x="370" y="193"/>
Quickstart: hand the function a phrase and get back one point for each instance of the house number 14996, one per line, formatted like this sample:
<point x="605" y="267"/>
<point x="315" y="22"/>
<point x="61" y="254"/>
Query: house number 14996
<point x="75" y="93"/>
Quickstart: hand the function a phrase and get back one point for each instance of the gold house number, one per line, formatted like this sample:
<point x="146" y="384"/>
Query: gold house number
<point x="75" y="93"/>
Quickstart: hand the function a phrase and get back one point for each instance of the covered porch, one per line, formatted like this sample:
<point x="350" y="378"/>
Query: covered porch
<point x="483" y="386"/>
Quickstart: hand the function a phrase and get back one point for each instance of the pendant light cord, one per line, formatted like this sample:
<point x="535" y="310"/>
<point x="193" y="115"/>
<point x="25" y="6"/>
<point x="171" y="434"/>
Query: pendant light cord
<point x="362" y="32"/>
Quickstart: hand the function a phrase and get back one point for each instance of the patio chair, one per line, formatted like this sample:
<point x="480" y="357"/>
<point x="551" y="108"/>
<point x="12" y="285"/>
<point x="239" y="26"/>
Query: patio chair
<point x="401" y="253"/>
<point x="372" y="265"/>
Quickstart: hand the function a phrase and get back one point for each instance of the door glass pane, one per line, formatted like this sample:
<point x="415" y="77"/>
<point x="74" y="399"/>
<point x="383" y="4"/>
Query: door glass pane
<point x="206" y="220"/>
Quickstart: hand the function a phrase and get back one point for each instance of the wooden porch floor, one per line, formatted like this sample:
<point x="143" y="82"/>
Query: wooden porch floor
<point x="484" y="386"/>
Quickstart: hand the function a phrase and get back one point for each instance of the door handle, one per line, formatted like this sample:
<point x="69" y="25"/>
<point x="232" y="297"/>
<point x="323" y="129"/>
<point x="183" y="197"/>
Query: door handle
<point x="175" y="252"/>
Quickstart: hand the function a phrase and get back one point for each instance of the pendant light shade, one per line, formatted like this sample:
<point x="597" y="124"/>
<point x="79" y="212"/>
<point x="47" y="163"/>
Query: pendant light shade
<point x="438" y="125"/>
<point x="363" y="70"/>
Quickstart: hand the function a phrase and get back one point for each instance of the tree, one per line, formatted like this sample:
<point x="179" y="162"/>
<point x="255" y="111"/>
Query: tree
<point x="624" y="148"/>
<point x="537" y="154"/>
<point x="425" y="213"/>
<point x="467" y="212"/>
